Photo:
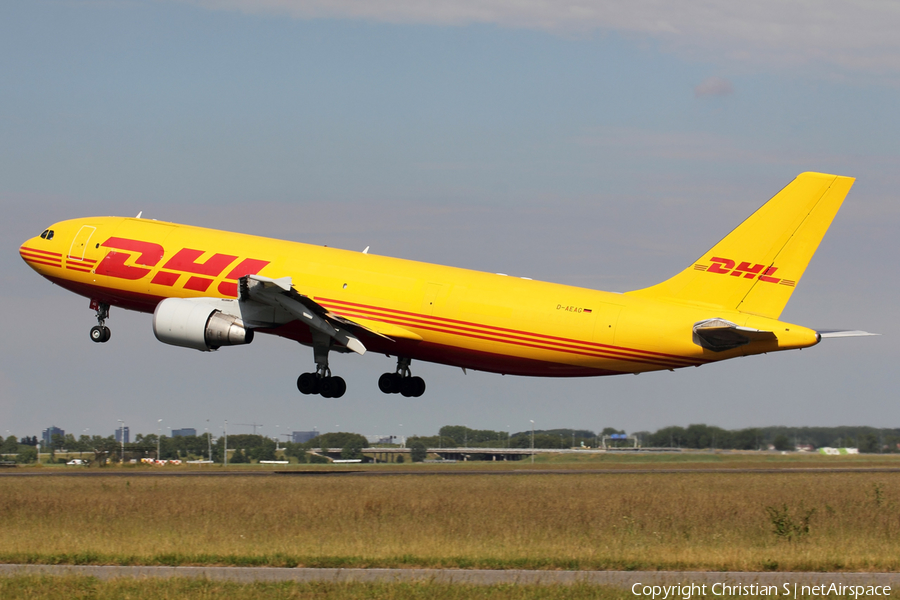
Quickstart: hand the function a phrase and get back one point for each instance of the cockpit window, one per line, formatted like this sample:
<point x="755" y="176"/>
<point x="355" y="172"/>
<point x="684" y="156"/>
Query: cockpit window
<point x="47" y="235"/>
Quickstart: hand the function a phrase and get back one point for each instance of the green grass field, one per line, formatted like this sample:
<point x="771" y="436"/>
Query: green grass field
<point x="84" y="588"/>
<point x="673" y="521"/>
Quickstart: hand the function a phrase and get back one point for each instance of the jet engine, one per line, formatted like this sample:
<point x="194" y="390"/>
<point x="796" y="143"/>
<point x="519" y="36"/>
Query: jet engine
<point x="192" y="324"/>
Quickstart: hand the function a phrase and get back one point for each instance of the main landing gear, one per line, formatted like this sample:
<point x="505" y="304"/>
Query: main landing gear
<point x="100" y="332"/>
<point x="321" y="382"/>
<point x="402" y="382"/>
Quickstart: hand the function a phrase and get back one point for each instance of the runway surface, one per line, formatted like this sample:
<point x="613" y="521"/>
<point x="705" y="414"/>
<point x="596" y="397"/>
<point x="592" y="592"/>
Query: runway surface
<point x="619" y="579"/>
<point x="81" y="472"/>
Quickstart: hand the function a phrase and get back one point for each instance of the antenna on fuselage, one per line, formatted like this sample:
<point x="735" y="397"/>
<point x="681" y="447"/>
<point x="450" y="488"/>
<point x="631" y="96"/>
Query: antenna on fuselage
<point x="366" y="251"/>
<point x="139" y="215"/>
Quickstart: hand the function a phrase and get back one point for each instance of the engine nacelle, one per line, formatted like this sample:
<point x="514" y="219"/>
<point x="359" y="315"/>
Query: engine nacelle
<point x="197" y="325"/>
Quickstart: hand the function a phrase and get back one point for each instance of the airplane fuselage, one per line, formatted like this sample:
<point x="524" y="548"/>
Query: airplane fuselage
<point x="475" y="320"/>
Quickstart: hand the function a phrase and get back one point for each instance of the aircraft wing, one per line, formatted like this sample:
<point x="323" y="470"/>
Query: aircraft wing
<point x="280" y="293"/>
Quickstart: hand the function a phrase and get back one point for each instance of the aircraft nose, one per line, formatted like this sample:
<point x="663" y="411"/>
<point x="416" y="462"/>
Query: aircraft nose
<point x="37" y="258"/>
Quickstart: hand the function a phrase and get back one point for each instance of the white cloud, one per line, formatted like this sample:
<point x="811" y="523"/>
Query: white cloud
<point x="714" y="86"/>
<point x="857" y="35"/>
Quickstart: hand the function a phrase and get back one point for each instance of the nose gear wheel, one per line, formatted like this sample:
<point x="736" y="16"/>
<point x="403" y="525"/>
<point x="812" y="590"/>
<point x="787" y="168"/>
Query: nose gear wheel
<point x="100" y="333"/>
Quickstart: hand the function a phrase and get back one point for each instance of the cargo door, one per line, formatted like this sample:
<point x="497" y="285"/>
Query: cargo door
<point x="80" y="242"/>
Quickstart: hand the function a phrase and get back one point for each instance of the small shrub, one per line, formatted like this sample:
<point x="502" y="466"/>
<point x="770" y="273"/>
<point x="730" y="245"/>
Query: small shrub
<point x="784" y="526"/>
<point x="877" y="494"/>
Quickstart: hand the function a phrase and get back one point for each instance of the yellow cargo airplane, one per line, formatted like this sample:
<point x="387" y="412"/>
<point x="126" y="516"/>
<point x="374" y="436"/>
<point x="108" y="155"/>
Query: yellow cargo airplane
<point x="208" y="289"/>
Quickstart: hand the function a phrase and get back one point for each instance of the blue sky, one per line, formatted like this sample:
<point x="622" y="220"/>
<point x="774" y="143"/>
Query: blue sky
<point x="596" y="144"/>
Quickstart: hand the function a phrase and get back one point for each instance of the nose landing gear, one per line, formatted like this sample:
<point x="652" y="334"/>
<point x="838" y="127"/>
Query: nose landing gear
<point x="100" y="333"/>
<point x="402" y="382"/>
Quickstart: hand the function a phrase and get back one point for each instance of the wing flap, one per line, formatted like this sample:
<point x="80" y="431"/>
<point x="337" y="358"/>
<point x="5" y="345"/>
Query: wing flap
<point x="281" y="293"/>
<point x="386" y="330"/>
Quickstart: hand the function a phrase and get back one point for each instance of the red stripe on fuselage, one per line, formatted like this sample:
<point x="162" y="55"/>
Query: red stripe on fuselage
<point x="39" y="261"/>
<point x="477" y="360"/>
<point x="445" y="322"/>
<point x="27" y="249"/>
<point x="532" y="343"/>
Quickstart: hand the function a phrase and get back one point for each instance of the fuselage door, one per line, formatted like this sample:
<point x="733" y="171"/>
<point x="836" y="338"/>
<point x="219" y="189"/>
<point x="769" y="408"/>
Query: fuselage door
<point x="80" y="242"/>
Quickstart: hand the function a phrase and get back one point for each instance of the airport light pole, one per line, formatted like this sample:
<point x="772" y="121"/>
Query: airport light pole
<point x="532" y="440"/>
<point x="208" y="441"/>
<point x="226" y="442"/>
<point x="158" y="436"/>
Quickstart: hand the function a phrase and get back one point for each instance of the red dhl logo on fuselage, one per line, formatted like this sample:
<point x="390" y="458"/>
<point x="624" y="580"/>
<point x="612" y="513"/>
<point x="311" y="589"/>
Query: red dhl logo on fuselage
<point x="185" y="262"/>
<point x="726" y="266"/>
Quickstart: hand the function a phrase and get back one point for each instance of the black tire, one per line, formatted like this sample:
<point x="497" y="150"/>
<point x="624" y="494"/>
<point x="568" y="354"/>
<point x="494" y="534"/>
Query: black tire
<point x="327" y="387"/>
<point x="338" y="387"/>
<point x="419" y="386"/>
<point x="97" y="334"/>
<point x="408" y="387"/>
<point x="106" y="335"/>
<point x="386" y="383"/>
<point x="308" y="383"/>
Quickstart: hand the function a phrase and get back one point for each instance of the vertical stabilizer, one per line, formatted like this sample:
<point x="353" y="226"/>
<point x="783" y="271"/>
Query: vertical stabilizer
<point x="756" y="267"/>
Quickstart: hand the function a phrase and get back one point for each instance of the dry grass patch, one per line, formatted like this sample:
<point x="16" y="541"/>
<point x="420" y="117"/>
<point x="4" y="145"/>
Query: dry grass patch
<point x="630" y="521"/>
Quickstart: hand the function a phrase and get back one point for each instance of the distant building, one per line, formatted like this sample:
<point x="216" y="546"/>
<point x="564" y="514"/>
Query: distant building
<point x="184" y="432"/>
<point x="381" y="439"/>
<point x="301" y="437"/>
<point x="48" y="434"/>
<point x="123" y="431"/>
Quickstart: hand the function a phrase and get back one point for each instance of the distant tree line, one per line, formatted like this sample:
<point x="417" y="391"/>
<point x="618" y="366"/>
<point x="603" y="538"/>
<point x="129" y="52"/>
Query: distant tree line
<point x="697" y="436"/>
<point x="866" y="439"/>
<point x="252" y="448"/>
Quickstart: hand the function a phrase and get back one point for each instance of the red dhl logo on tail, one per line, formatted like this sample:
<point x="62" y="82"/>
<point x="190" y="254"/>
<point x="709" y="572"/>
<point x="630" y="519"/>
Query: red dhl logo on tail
<point x="726" y="266"/>
<point x="185" y="262"/>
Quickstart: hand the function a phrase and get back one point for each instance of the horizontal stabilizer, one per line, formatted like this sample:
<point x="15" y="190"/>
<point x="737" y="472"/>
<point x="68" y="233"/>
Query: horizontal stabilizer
<point x="719" y="335"/>
<point x="840" y="334"/>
